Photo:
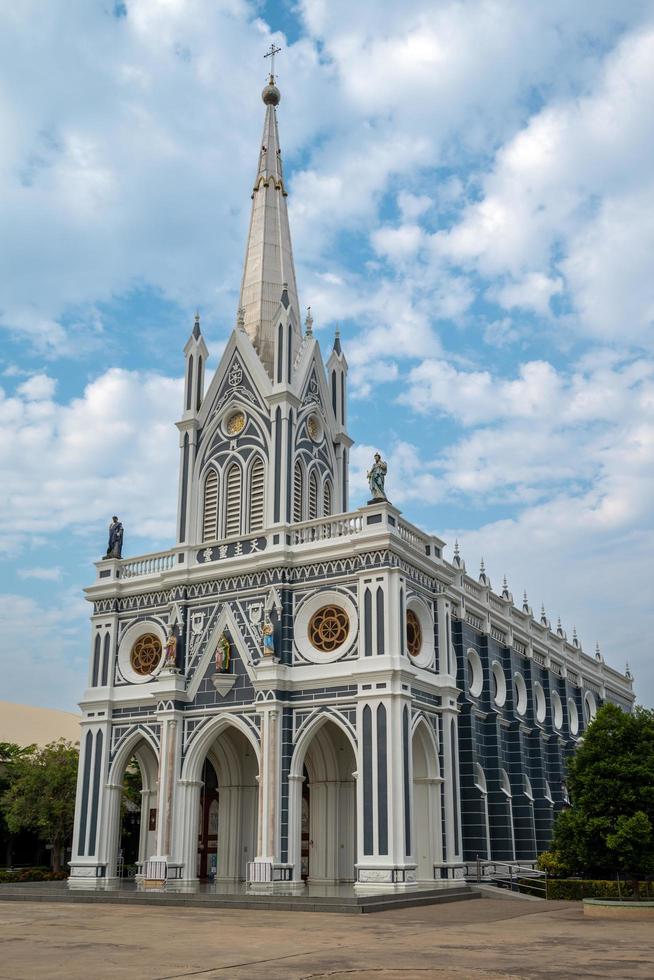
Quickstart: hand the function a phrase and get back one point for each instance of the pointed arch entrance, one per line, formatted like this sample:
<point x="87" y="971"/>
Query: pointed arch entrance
<point x="427" y="803"/>
<point x="136" y="762"/>
<point x="322" y="812"/>
<point x="220" y="776"/>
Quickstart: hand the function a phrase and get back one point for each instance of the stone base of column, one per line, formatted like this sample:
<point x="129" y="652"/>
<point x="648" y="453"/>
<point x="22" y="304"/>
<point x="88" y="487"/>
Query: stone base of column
<point x="87" y="875"/>
<point x="266" y="874"/>
<point x="391" y="878"/>
<point x="450" y="872"/>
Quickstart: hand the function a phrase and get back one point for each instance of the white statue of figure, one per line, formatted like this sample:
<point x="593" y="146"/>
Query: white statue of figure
<point x="376" y="478"/>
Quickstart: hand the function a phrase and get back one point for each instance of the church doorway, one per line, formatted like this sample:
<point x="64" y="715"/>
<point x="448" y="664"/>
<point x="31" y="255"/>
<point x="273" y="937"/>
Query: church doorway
<point x="132" y="809"/>
<point x="325" y="808"/>
<point x="227" y="811"/>
<point x="427" y="804"/>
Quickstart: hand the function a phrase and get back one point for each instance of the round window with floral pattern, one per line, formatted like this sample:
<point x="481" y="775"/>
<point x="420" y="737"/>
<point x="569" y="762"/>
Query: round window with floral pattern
<point x="146" y="654"/>
<point x="413" y="633"/>
<point x="329" y="628"/>
<point x="235" y="424"/>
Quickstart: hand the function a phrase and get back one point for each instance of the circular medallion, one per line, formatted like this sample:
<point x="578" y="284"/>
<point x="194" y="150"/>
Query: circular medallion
<point x="235" y="424"/>
<point x="314" y="428"/>
<point x="329" y="628"/>
<point x="413" y="633"/>
<point x="146" y="654"/>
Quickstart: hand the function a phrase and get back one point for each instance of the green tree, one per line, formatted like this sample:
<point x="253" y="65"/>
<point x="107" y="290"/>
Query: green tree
<point x="609" y="825"/>
<point x="41" y="794"/>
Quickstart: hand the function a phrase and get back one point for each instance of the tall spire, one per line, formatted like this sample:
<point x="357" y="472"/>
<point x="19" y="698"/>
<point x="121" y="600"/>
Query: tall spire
<point x="268" y="269"/>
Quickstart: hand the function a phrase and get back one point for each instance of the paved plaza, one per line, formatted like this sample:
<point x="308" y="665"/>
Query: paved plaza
<point x="484" y="940"/>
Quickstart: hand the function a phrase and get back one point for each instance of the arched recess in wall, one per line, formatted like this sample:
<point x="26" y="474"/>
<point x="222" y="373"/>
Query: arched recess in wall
<point x="313" y="496"/>
<point x="298" y="491"/>
<point x="96" y="661"/>
<point x="505" y="787"/>
<point x="327" y="498"/>
<point x="233" y="491"/>
<point x="189" y="384"/>
<point x="256" y="508"/>
<point x="482" y="786"/>
<point x="105" y="659"/>
<point x="210" y="506"/>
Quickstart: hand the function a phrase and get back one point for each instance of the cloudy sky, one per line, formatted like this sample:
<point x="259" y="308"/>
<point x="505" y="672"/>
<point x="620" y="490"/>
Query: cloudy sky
<point x="472" y="200"/>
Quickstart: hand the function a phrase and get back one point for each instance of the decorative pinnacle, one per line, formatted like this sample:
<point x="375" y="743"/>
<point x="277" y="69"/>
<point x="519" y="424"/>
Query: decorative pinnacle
<point x="309" y="322"/>
<point x="598" y="653"/>
<point x="575" y="638"/>
<point x="543" y="617"/>
<point x="559" y="628"/>
<point x="240" y="318"/>
<point x="525" y="602"/>
<point x="196" y="325"/>
<point x="271" y="94"/>
<point x="505" y="589"/>
<point x="627" y="671"/>
<point x="337" y="341"/>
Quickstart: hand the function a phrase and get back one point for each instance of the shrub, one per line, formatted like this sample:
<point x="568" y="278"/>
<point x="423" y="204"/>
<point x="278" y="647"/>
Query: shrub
<point x="31" y="874"/>
<point x="551" y="862"/>
<point x="574" y="889"/>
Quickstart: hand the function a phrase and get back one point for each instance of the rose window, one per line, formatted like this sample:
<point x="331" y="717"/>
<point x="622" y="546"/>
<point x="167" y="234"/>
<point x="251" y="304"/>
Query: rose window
<point x="329" y="628"/>
<point x="314" y="428"/>
<point x="146" y="654"/>
<point x="413" y="633"/>
<point x="235" y="424"/>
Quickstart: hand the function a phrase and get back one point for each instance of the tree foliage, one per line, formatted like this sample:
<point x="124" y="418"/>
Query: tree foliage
<point x="609" y="827"/>
<point x="40" y="794"/>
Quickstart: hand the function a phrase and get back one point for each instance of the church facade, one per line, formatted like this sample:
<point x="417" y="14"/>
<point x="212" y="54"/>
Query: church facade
<point x="311" y="693"/>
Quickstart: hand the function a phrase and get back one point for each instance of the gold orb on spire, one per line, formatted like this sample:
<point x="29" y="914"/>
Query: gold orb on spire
<point x="271" y="94"/>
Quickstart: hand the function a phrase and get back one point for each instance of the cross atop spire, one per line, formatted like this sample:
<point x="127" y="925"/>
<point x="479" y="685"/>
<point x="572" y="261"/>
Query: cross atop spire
<point x="271" y="54"/>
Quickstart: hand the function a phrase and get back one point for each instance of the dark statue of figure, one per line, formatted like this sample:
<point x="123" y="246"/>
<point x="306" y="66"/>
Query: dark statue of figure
<point x="115" y="546"/>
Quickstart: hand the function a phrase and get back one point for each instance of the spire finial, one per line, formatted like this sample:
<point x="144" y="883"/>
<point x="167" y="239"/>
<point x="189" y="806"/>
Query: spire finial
<point x="309" y="322"/>
<point x="272" y="51"/>
<point x="543" y="618"/>
<point x="196" y="325"/>
<point x="525" y="602"/>
<point x="456" y="558"/>
<point x="337" y="340"/>
<point x="598" y="652"/>
<point x="505" y="589"/>
<point x="575" y="638"/>
<point x="559" y="627"/>
<point x="627" y="671"/>
<point x="482" y="573"/>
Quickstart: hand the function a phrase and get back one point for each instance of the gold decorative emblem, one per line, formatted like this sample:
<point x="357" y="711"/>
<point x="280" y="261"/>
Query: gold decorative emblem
<point x="146" y="654"/>
<point x="314" y="428"/>
<point x="329" y="628"/>
<point x="235" y="424"/>
<point x="413" y="633"/>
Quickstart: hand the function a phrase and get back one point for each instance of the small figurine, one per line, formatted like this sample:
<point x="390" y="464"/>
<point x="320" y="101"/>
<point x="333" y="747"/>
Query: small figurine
<point x="223" y="655"/>
<point x="171" y="649"/>
<point x="268" y="639"/>
<point x="115" y="546"/>
<point x="376" y="477"/>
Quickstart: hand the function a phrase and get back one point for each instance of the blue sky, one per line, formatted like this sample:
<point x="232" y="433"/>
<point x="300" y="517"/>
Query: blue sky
<point x="471" y="199"/>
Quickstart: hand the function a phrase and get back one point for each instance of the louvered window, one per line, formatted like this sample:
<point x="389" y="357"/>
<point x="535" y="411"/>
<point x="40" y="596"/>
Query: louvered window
<point x="327" y="499"/>
<point x="210" y="511"/>
<point x="313" y="496"/>
<point x="233" y="501"/>
<point x="298" y="492"/>
<point x="257" y="495"/>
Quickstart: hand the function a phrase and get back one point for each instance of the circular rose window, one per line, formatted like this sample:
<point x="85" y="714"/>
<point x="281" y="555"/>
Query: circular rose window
<point x="413" y="633"/>
<point x="235" y="424"/>
<point x="314" y="428"/>
<point x="328" y="628"/>
<point x="146" y="654"/>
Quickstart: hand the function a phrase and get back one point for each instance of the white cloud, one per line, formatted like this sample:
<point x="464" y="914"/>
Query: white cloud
<point x="76" y="464"/>
<point x="40" y="387"/>
<point x="48" y="574"/>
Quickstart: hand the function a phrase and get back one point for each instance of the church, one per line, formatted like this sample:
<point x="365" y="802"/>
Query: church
<point x="311" y="694"/>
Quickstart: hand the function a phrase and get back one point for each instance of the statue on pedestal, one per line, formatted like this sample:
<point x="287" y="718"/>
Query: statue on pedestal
<point x="223" y="655"/>
<point x="376" y="477"/>
<point x="115" y="546"/>
<point x="268" y="639"/>
<point x="171" y="649"/>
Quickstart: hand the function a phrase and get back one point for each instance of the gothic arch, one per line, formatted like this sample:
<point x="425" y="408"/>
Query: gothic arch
<point x="204" y="738"/>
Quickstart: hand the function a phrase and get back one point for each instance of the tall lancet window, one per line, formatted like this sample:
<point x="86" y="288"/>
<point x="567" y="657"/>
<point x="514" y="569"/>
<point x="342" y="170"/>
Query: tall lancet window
<point x="210" y="509"/>
<point x="313" y="495"/>
<point x="327" y="499"/>
<point x="298" y="491"/>
<point x="233" y="501"/>
<point x="257" y="485"/>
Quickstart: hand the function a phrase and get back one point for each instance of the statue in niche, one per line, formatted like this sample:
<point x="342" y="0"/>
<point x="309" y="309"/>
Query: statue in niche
<point x="376" y="478"/>
<point x="268" y="639"/>
<point x="223" y="655"/>
<point x="171" y="649"/>
<point x="115" y="546"/>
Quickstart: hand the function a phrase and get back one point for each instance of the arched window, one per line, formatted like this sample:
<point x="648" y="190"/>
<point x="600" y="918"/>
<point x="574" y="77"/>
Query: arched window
<point x="189" y="383"/>
<point x="257" y="483"/>
<point x="210" y="508"/>
<point x="327" y="499"/>
<point x="313" y="496"/>
<point x="298" y="491"/>
<point x="233" y="501"/>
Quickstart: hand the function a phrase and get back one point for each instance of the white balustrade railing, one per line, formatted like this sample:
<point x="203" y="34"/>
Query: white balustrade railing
<point x="148" y="565"/>
<point x="412" y="536"/>
<point x="323" y="529"/>
<point x="472" y="588"/>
